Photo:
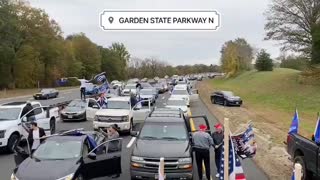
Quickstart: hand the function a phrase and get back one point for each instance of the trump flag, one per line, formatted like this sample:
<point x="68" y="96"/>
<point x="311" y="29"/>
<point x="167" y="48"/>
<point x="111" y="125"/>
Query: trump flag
<point x="294" y="128"/>
<point x="317" y="131"/>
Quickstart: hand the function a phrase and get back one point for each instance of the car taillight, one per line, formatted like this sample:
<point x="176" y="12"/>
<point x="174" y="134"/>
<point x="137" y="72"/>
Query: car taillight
<point x="240" y="176"/>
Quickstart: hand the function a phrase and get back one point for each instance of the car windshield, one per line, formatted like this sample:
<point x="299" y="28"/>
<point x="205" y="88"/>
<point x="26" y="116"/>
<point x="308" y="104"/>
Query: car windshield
<point x="58" y="150"/>
<point x="9" y="113"/>
<point x="131" y="86"/>
<point x="45" y="90"/>
<point x="180" y="92"/>
<point x="118" y="104"/>
<point x="77" y="103"/>
<point x="176" y="102"/>
<point x="161" y="131"/>
<point x="146" y="92"/>
<point x="228" y="93"/>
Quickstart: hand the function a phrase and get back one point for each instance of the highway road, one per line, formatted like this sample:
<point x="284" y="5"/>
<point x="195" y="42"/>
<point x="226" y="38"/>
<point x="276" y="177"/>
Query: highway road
<point x="197" y="108"/>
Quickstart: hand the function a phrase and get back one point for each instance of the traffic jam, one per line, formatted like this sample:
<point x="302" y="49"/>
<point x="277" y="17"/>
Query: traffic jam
<point x="116" y="109"/>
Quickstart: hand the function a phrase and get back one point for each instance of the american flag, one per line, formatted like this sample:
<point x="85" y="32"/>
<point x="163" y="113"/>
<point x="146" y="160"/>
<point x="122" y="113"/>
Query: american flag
<point x="235" y="168"/>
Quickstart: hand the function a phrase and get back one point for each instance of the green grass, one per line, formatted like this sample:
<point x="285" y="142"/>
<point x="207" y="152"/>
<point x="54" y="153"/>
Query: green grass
<point x="278" y="90"/>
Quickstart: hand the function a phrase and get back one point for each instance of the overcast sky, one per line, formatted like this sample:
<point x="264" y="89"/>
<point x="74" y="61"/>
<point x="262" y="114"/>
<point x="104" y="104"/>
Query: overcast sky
<point x="240" y="18"/>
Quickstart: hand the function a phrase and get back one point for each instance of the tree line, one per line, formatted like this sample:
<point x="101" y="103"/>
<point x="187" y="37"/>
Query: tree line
<point x="33" y="50"/>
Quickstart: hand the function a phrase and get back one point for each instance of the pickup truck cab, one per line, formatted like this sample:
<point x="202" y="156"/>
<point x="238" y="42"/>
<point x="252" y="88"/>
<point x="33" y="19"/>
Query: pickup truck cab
<point x="306" y="153"/>
<point x="165" y="133"/>
<point x="120" y="111"/>
<point x="13" y="125"/>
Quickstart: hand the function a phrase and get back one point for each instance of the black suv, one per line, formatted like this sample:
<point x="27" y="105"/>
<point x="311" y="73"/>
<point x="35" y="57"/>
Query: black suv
<point x="165" y="133"/>
<point x="226" y="98"/>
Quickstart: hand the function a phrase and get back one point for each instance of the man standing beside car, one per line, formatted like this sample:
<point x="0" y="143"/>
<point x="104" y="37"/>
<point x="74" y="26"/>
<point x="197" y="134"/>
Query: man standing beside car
<point x="217" y="137"/>
<point x="83" y="88"/>
<point x="34" y="136"/>
<point x="201" y="145"/>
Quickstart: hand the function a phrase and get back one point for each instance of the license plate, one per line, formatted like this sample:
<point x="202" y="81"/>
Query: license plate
<point x="69" y="116"/>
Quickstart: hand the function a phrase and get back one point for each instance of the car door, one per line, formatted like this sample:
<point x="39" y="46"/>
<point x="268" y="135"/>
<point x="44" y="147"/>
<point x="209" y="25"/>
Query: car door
<point x="140" y="114"/>
<point x="91" y="109"/>
<point x="101" y="162"/>
<point x="219" y="97"/>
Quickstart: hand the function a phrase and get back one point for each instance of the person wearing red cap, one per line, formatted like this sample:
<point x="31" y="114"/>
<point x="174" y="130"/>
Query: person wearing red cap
<point x="217" y="137"/>
<point x="202" y="141"/>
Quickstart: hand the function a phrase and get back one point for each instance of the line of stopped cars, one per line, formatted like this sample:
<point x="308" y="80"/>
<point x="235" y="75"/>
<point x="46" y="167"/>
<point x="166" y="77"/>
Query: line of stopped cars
<point x="79" y="154"/>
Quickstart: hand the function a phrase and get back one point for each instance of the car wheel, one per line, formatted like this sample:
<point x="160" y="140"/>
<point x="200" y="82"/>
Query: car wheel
<point x="300" y="160"/>
<point x="52" y="126"/>
<point x="13" y="140"/>
<point x="225" y="103"/>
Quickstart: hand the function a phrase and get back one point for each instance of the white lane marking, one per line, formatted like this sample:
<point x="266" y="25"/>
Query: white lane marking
<point x="131" y="142"/>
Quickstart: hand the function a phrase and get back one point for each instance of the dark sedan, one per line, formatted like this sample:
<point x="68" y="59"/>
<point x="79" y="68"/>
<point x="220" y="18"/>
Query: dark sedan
<point x="71" y="157"/>
<point x="46" y="94"/>
<point x="226" y="98"/>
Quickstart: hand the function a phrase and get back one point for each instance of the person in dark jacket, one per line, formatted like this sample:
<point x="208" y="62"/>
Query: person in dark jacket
<point x="114" y="146"/>
<point x="27" y="109"/>
<point x="217" y="137"/>
<point x="202" y="141"/>
<point x="34" y="136"/>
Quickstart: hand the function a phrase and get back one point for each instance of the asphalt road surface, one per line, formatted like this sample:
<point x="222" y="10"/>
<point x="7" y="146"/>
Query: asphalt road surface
<point x="197" y="108"/>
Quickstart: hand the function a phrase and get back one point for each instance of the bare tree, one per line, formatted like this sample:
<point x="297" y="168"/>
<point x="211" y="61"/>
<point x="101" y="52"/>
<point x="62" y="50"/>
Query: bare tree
<point x="296" y="24"/>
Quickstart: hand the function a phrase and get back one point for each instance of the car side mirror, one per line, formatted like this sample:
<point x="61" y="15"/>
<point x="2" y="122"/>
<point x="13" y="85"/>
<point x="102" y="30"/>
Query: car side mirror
<point x="92" y="156"/>
<point x="134" y="133"/>
<point x="24" y="119"/>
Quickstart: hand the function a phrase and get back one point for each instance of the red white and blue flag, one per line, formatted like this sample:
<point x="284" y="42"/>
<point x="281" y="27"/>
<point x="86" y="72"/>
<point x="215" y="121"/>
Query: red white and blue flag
<point x="235" y="168"/>
<point x="317" y="131"/>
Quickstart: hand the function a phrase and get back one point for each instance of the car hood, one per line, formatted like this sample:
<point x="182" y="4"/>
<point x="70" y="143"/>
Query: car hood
<point x="6" y="124"/>
<point x="161" y="148"/>
<point x="146" y="96"/>
<point x="183" y="108"/>
<point x="30" y="169"/>
<point x="73" y="109"/>
<point x="113" y="112"/>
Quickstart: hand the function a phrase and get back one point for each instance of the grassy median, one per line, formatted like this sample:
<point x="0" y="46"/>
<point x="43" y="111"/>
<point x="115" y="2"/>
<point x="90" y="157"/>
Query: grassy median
<point x="276" y="92"/>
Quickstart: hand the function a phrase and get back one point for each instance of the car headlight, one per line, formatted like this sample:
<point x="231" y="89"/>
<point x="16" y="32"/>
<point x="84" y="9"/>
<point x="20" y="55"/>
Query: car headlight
<point x="2" y="132"/>
<point x="185" y="160"/>
<point x="68" y="177"/>
<point x="136" y="159"/>
<point x="13" y="177"/>
<point x="125" y="118"/>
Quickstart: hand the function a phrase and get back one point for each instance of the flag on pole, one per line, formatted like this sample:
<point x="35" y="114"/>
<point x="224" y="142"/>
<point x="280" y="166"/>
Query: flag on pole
<point x="294" y="128"/>
<point x="317" y="131"/>
<point x="235" y="168"/>
<point x="161" y="175"/>
<point x="244" y="143"/>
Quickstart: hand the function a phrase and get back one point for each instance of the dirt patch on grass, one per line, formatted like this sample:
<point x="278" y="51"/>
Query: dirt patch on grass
<point x="270" y="133"/>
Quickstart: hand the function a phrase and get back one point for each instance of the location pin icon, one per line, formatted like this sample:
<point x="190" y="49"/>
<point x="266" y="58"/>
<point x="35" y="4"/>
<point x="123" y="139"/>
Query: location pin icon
<point x="110" y="19"/>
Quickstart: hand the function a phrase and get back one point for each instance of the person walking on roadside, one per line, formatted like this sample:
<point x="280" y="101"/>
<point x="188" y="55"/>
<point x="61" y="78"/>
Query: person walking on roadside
<point x="34" y="136"/>
<point x="83" y="88"/>
<point x="201" y="145"/>
<point x="217" y="137"/>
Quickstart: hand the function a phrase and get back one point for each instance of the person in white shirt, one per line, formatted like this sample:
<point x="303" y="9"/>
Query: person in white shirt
<point x="34" y="136"/>
<point x="83" y="88"/>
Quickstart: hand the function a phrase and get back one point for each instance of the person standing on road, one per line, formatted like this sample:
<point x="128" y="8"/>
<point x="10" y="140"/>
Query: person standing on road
<point x="83" y="88"/>
<point x="201" y="145"/>
<point x="114" y="146"/>
<point x="34" y="136"/>
<point x="26" y="109"/>
<point x="217" y="137"/>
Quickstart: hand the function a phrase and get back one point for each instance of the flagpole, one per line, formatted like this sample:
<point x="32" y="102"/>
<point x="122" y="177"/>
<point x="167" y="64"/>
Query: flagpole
<point x="297" y="171"/>
<point x="226" y="148"/>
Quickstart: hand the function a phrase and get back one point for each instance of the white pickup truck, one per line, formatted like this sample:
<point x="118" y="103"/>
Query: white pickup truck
<point x="13" y="125"/>
<point x="120" y="112"/>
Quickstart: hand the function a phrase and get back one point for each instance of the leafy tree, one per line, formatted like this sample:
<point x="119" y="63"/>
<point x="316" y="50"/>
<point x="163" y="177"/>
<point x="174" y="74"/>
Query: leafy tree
<point x="264" y="62"/>
<point x="295" y="23"/>
<point x="294" y="62"/>
<point x="236" y="56"/>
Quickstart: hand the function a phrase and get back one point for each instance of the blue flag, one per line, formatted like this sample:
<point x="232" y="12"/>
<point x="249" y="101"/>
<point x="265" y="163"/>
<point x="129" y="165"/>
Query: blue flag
<point x="294" y="128"/>
<point x="317" y="131"/>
